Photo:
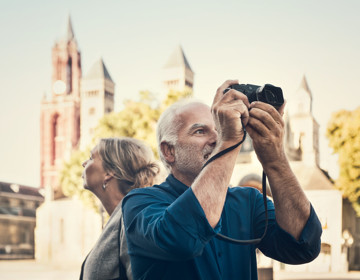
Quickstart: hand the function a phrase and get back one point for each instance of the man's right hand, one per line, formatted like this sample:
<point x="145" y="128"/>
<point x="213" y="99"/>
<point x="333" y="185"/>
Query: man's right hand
<point x="230" y="112"/>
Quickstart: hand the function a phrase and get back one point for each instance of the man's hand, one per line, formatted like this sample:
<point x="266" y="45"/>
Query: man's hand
<point x="266" y="128"/>
<point x="230" y="112"/>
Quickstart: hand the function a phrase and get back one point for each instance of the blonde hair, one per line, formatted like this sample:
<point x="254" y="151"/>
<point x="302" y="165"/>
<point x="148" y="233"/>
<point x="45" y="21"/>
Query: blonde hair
<point x="130" y="161"/>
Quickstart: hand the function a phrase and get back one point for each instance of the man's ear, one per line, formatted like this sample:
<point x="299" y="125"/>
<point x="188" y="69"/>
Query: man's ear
<point x="168" y="152"/>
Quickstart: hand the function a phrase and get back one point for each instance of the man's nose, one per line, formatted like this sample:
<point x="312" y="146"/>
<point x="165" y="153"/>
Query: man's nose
<point x="213" y="137"/>
<point x="84" y="163"/>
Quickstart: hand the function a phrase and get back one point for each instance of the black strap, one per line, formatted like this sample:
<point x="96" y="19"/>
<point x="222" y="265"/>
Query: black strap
<point x="256" y="240"/>
<point x="223" y="152"/>
<point x="229" y="239"/>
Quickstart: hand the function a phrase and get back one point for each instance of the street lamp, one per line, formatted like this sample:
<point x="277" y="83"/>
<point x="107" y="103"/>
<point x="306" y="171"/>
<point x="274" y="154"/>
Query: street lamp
<point x="347" y="241"/>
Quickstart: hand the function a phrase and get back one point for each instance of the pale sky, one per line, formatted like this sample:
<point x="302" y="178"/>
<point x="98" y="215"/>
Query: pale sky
<point x="256" y="42"/>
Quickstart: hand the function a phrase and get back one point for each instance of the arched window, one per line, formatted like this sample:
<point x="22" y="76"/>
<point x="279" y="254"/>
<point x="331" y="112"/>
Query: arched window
<point x="69" y="76"/>
<point x="54" y="134"/>
<point x="92" y="111"/>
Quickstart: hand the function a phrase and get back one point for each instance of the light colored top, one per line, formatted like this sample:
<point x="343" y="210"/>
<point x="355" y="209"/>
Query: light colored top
<point x="103" y="260"/>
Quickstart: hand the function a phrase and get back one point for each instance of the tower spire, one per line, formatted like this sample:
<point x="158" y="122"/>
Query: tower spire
<point x="178" y="59"/>
<point x="70" y="32"/>
<point x="305" y="86"/>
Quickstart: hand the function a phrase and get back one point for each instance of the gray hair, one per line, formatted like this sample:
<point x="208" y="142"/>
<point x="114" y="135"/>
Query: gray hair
<point x="168" y="126"/>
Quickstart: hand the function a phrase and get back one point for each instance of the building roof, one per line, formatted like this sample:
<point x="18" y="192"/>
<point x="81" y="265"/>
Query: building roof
<point x="98" y="71"/>
<point x="305" y="86"/>
<point x="15" y="190"/>
<point x="178" y="59"/>
<point x="311" y="177"/>
<point x="70" y="32"/>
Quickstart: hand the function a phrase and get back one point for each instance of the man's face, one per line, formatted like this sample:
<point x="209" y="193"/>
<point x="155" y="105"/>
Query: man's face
<point x="196" y="139"/>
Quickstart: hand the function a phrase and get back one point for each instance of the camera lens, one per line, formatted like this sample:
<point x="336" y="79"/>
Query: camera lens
<point x="270" y="97"/>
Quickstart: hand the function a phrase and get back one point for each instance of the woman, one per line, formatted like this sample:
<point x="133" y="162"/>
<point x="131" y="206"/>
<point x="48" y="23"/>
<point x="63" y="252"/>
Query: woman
<point x="115" y="166"/>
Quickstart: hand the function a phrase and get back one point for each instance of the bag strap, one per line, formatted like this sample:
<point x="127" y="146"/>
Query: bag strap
<point x="122" y="269"/>
<point x="82" y="268"/>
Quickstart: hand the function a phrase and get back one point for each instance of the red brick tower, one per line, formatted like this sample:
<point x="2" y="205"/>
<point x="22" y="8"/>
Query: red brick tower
<point x="60" y="113"/>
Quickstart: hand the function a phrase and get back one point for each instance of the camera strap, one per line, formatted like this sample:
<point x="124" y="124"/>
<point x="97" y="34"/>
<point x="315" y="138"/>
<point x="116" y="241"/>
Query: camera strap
<point x="229" y="239"/>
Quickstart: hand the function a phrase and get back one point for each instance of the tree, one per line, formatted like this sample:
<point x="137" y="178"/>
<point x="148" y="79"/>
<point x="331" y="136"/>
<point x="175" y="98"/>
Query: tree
<point x="344" y="138"/>
<point x="137" y="120"/>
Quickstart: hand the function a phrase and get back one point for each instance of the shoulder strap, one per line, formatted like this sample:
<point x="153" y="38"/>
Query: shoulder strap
<point x="82" y="268"/>
<point x="122" y="270"/>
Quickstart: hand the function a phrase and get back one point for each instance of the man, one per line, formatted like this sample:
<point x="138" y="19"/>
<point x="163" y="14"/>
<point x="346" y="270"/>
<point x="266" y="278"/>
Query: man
<point x="171" y="228"/>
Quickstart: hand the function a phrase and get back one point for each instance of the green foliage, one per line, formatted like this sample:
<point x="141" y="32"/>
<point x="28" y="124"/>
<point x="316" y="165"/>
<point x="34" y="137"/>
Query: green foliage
<point x="137" y="119"/>
<point x="344" y="138"/>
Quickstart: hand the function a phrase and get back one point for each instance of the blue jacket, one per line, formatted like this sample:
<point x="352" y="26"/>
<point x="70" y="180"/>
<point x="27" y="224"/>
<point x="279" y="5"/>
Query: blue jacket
<point x="169" y="236"/>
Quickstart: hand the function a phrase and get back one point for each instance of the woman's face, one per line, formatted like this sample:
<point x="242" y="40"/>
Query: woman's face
<point x="94" y="173"/>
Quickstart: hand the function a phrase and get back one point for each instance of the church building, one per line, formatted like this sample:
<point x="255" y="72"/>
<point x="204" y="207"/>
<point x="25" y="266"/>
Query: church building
<point x="66" y="229"/>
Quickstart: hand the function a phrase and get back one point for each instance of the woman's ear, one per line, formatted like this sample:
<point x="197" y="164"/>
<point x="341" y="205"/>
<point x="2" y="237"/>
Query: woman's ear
<point x="108" y="177"/>
<point x="168" y="152"/>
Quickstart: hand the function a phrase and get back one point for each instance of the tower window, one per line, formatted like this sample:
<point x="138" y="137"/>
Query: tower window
<point x="92" y="93"/>
<point x="91" y="111"/>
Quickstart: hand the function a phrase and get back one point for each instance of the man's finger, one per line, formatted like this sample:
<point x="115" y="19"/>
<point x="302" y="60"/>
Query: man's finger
<point x="220" y="91"/>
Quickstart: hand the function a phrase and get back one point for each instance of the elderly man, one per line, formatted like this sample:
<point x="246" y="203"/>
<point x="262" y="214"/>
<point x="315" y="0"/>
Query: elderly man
<point x="172" y="228"/>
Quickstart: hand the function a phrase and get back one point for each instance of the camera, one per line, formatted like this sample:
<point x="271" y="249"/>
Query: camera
<point x="267" y="93"/>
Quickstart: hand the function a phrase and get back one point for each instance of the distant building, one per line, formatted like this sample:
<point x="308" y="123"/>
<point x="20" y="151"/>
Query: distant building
<point x="66" y="229"/>
<point x="178" y="75"/>
<point x="18" y="206"/>
<point x="97" y="99"/>
<point x="60" y="112"/>
<point x="72" y="110"/>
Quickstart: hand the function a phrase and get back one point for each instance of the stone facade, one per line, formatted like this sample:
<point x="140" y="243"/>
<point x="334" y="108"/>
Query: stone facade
<point x="65" y="232"/>
<point x="177" y="73"/>
<point x="97" y="99"/>
<point x="60" y="112"/>
<point x="18" y="206"/>
<point x="66" y="229"/>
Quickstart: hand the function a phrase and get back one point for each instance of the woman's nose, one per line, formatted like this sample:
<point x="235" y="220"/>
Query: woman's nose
<point x="84" y="163"/>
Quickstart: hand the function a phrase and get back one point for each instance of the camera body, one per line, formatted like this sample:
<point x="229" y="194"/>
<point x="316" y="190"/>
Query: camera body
<point x="267" y="93"/>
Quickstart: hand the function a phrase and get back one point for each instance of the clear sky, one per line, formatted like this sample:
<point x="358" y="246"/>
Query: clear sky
<point x="254" y="41"/>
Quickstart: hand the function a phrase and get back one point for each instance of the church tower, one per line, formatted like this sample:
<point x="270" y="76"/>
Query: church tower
<point x="60" y="112"/>
<point x="178" y="74"/>
<point x="97" y="99"/>
<point x="302" y="130"/>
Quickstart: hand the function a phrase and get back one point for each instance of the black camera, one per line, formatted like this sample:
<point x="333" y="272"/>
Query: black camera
<point x="267" y="93"/>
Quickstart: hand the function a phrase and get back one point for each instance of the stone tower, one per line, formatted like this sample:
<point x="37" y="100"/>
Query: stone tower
<point x="178" y="74"/>
<point x="97" y="99"/>
<point x="60" y="112"/>
<point x="302" y="130"/>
